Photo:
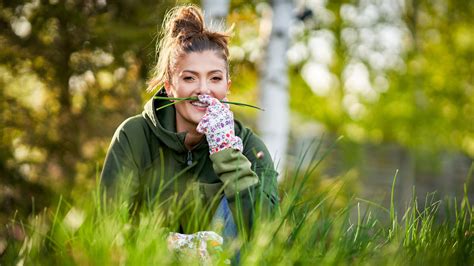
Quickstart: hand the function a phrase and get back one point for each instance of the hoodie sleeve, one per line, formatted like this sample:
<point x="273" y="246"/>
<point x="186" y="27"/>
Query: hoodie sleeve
<point x="119" y="177"/>
<point x="249" y="181"/>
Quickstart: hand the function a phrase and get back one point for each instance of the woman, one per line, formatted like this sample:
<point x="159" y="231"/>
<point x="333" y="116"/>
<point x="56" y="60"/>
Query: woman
<point x="192" y="158"/>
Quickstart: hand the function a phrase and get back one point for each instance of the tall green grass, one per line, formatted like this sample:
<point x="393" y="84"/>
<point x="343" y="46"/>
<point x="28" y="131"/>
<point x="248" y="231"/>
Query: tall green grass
<point x="308" y="229"/>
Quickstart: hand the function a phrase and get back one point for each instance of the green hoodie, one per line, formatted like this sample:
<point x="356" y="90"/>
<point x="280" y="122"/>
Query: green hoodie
<point x="148" y="157"/>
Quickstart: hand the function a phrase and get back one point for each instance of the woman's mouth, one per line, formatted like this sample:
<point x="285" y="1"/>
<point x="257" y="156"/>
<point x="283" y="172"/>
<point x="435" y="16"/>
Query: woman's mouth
<point x="199" y="104"/>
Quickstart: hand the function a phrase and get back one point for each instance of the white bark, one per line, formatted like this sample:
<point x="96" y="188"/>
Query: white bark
<point x="215" y="13"/>
<point x="274" y="121"/>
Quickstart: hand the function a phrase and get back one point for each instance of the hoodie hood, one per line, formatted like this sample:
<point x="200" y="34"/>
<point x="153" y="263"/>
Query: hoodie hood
<point x="163" y="123"/>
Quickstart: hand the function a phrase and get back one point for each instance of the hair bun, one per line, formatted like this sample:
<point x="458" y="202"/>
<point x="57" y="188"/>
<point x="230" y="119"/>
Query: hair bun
<point x="183" y="32"/>
<point x="187" y="24"/>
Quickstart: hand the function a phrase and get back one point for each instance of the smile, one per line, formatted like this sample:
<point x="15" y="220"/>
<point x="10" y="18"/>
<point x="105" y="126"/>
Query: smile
<point x="199" y="104"/>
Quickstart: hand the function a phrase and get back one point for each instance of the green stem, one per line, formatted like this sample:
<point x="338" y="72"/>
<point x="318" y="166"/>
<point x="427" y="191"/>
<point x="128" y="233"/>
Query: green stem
<point x="169" y="104"/>
<point x="178" y="100"/>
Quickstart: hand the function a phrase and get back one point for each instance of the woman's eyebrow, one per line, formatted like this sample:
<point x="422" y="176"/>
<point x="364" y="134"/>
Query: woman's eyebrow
<point x="215" y="71"/>
<point x="190" y="71"/>
<point x="197" y="73"/>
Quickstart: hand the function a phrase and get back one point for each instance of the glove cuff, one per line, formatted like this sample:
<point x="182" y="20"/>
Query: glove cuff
<point x="232" y="142"/>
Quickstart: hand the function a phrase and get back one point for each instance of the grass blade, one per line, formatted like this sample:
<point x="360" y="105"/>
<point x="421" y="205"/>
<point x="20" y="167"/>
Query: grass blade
<point x="178" y="100"/>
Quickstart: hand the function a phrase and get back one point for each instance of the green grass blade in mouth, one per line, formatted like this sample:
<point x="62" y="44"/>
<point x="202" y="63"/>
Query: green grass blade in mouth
<point x="243" y="104"/>
<point x="178" y="100"/>
<point x="169" y="104"/>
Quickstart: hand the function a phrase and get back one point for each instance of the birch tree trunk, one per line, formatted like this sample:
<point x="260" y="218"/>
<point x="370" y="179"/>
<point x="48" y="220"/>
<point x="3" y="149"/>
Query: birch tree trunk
<point x="274" y="121"/>
<point x="215" y="13"/>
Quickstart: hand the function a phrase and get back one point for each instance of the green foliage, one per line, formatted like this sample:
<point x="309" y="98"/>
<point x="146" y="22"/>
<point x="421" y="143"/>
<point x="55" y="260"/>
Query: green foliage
<point x="79" y="70"/>
<point x="308" y="229"/>
<point x="422" y="102"/>
<point x="70" y="72"/>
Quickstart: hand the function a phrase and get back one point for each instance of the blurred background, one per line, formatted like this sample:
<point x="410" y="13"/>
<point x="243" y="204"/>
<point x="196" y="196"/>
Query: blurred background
<point x="393" y="77"/>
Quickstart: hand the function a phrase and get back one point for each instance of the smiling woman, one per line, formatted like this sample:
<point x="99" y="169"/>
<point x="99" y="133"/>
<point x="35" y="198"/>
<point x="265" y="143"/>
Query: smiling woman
<point x="197" y="73"/>
<point x="195" y="145"/>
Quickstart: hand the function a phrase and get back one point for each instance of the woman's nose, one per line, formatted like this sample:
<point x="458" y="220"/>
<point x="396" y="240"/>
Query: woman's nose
<point x="204" y="87"/>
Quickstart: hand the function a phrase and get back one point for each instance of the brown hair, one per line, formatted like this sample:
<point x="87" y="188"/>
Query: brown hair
<point x="184" y="32"/>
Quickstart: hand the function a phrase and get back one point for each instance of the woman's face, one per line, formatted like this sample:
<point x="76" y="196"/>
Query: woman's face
<point x="196" y="73"/>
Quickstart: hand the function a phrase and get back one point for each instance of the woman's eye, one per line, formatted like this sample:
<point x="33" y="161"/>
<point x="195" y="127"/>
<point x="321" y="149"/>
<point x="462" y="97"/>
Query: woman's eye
<point x="216" y="78"/>
<point x="188" y="78"/>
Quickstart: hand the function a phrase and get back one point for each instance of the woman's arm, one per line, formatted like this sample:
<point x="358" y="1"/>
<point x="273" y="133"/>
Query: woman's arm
<point x="242" y="184"/>
<point x="249" y="195"/>
<point x="119" y="177"/>
<point x="262" y="164"/>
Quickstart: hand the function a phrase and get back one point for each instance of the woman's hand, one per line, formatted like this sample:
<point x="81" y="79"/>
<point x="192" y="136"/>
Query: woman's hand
<point x="218" y="125"/>
<point x="201" y="245"/>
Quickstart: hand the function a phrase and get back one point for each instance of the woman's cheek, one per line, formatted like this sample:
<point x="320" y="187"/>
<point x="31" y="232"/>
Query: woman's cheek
<point x="220" y="93"/>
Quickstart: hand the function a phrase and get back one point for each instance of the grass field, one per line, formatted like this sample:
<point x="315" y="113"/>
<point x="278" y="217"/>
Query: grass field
<point x="309" y="229"/>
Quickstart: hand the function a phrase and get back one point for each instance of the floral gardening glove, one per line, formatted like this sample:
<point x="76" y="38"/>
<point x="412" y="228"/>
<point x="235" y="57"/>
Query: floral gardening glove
<point x="201" y="245"/>
<point x="218" y="125"/>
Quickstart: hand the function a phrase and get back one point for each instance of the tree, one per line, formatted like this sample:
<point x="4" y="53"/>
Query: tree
<point x="274" y="122"/>
<point x="71" y="71"/>
<point x="215" y="12"/>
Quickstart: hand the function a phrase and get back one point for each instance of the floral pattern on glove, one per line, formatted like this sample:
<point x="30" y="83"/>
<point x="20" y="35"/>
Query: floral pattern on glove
<point x="200" y="245"/>
<point x="218" y="125"/>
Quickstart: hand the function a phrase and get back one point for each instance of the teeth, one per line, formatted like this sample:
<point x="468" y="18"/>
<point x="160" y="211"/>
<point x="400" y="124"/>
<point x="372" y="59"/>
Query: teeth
<point x="199" y="104"/>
